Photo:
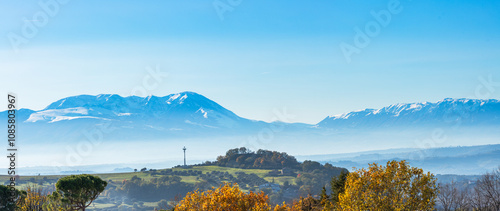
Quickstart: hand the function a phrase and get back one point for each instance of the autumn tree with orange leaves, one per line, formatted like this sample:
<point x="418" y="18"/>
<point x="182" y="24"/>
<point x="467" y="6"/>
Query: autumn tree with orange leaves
<point x="226" y="197"/>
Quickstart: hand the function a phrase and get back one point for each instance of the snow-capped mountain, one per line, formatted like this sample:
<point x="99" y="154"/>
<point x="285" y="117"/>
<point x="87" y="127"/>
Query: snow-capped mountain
<point x="88" y="129"/>
<point x="174" y="109"/>
<point x="185" y="114"/>
<point x="188" y="115"/>
<point x="470" y="112"/>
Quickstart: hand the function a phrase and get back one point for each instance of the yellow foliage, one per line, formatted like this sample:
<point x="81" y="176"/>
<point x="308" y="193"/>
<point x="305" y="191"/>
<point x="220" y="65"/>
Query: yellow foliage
<point x="282" y="207"/>
<point x="33" y="200"/>
<point x="396" y="186"/>
<point x="307" y="204"/>
<point x="227" y="197"/>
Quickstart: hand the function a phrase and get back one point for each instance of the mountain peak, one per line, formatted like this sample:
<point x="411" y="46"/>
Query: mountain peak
<point x="419" y="112"/>
<point x="174" y="108"/>
<point x="102" y="99"/>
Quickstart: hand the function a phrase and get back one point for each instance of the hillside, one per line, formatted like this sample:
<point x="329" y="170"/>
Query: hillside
<point x="147" y="187"/>
<point x="189" y="176"/>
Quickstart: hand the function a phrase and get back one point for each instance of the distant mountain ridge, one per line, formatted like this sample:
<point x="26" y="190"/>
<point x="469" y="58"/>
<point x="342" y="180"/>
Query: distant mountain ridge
<point x="113" y="106"/>
<point x="176" y="110"/>
<point x="185" y="114"/>
<point x="447" y="111"/>
<point x="199" y="107"/>
<point x="188" y="114"/>
<point x="157" y="128"/>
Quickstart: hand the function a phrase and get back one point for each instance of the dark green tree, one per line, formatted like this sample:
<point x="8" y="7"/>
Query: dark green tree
<point x="7" y="200"/>
<point x="80" y="190"/>
<point x="324" y="199"/>
<point x="309" y="166"/>
<point x="338" y="185"/>
<point x="55" y="203"/>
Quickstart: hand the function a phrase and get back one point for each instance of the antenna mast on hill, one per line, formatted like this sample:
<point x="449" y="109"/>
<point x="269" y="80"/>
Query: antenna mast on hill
<point x="184" y="155"/>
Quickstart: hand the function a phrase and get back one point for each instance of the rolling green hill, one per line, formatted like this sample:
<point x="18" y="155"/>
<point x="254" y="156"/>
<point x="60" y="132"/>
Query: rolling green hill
<point x="277" y="174"/>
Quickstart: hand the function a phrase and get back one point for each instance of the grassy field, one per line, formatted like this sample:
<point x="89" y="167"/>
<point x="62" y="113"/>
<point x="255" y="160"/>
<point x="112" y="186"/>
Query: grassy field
<point x="119" y="177"/>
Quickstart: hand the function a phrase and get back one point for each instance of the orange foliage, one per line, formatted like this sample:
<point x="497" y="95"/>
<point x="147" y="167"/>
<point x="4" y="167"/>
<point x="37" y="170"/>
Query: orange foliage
<point x="226" y="197"/>
<point x="33" y="200"/>
<point x="307" y="204"/>
<point x="396" y="186"/>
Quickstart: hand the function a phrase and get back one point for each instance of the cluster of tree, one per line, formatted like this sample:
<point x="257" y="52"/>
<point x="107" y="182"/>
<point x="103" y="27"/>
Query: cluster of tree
<point x="216" y="178"/>
<point x="262" y="159"/>
<point x="226" y="197"/>
<point x="154" y="189"/>
<point x="33" y="180"/>
<point x="484" y="194"/>
<point x="311" y="176"/>
<point x="74" y="192"/>
<point x="265" y="159"/>
<point x="250" y="180"/>
<point x="396" y="186"/>
<point x="189" y="172"/>
<point x="315" y="176"/>
<point x="9" y="196"/>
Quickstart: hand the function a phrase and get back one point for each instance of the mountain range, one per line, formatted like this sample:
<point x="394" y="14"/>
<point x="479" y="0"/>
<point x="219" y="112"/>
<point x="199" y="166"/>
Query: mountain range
<point x="167" y="123"/>
<point x="189" y="111"/>
<point x="184" y="114"/>
<point x="471" y="112"/>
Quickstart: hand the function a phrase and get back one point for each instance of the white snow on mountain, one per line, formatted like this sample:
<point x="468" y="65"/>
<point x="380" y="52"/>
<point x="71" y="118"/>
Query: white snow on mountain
<point x="61" y="118"/>
<point x="473" y="109"/>
<point x="182" y="99"/>
<point x="187" y="109"/>
<point x="182" y="110"/>
<point x="205" y="114"/>
<point x="54" y="115"/>
<point x="175" y="96"/>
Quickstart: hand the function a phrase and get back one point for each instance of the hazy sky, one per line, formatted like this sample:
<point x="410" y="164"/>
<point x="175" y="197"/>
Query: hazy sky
<point x="263" y="55"/>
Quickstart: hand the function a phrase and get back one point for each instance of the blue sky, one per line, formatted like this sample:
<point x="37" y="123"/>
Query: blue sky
<point x="263" y="55"/>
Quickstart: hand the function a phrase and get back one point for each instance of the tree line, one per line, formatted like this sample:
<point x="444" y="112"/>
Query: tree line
<point x="262" y="159"/>
<point x="75" y="192"/>
<point x="483" y="194"/>
<point x="395" y="186"/>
